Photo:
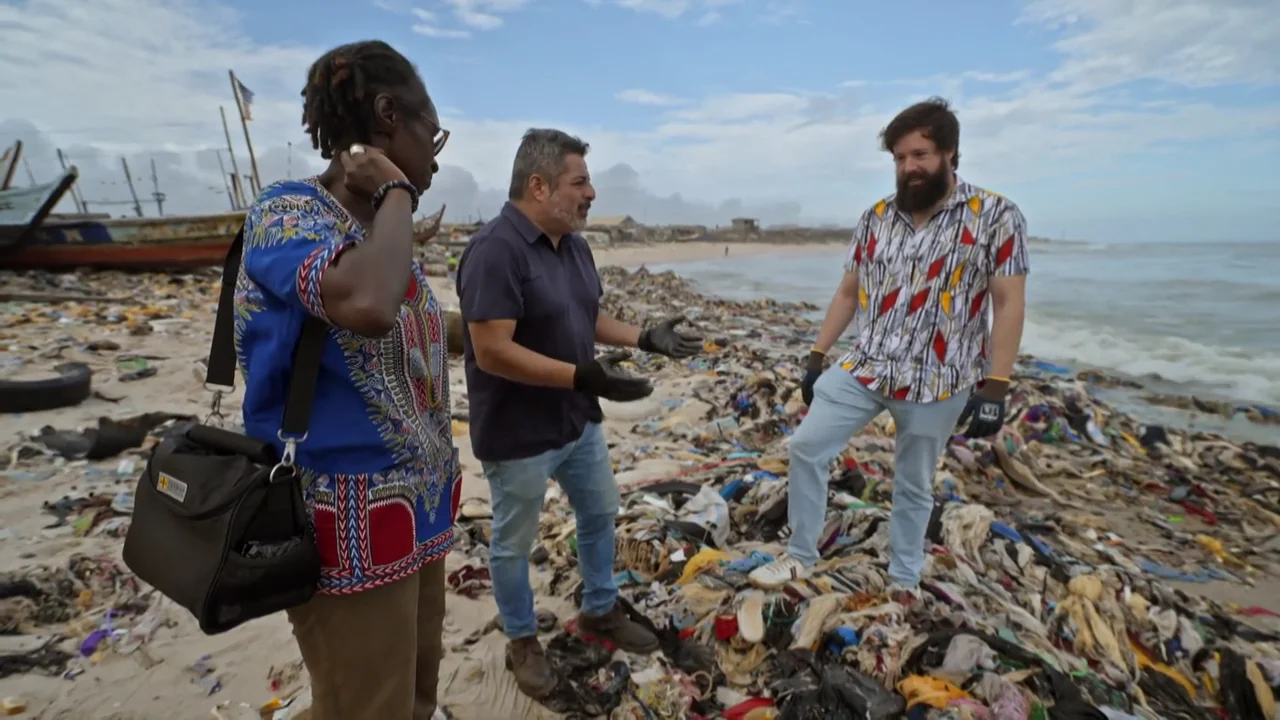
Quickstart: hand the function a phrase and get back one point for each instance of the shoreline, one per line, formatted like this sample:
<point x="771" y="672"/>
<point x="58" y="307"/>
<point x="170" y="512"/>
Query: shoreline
<point x="170" y="335"/>
<point x="1157" y="399"/>
<point x="629" y="255"/>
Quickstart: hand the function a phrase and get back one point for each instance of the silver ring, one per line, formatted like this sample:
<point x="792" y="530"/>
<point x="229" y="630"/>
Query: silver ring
<point x="356" y="149"/>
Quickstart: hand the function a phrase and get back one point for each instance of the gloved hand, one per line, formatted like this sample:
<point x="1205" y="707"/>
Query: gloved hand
<point x="985" y="409"/>
<point x="601" y="377"/>
<point x="812" y="371"/>
<point x="664" y="340"/>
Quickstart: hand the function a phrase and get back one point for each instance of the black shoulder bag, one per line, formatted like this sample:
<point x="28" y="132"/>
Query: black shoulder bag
<point x="219" y="524"/>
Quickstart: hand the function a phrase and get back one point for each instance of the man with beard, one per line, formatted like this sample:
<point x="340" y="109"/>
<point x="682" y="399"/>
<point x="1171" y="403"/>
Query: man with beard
<point x="530" y="298"/>
<point x="923" y="267"/>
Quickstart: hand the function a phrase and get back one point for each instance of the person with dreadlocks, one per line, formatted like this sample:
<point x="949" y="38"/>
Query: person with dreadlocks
<point x="381" y="477"/>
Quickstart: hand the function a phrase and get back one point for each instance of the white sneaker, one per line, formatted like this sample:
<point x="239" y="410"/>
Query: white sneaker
<point x="778" y="573"/>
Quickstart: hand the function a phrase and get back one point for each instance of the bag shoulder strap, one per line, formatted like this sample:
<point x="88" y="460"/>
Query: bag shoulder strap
<point x="306" y="355"/>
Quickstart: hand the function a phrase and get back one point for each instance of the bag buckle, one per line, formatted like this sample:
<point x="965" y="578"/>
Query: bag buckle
<point x="215" y="405"/>
<point x="284" y="468"/>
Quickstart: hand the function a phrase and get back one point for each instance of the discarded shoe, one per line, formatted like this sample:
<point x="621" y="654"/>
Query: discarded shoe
<point x="774" y="575"/>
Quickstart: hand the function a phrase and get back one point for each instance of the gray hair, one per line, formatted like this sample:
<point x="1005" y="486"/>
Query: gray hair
<point x="542" y="152"/>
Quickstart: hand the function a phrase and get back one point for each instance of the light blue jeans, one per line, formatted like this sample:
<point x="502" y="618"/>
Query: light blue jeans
<point x="518" y="487"/>
<point x="841" y="407"/>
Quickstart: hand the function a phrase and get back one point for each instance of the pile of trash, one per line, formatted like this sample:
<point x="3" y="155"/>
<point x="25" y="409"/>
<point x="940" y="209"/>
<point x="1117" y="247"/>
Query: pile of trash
<point x="60" y="619"/>
<point x="1055" y="586"/>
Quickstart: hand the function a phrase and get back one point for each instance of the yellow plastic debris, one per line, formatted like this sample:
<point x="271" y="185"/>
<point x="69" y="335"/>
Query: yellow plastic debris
<point x="1214" y="545"/>
<point x="931" y="691"/>
<point x="705" y="559"/>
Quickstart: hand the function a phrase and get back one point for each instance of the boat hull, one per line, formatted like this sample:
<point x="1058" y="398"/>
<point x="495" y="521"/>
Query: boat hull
<point x="175" y="243"/>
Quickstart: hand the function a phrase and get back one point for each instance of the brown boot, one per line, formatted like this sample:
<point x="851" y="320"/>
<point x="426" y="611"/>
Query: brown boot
<point x="528" y="662"/>
<point x="616" y="628"/>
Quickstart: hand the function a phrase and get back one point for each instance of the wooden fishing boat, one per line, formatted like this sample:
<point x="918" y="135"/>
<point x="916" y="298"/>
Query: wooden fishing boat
<point x="163" y="243"/>
<point x="427" y="228"/>
<point x="23" y="211"/>
<point x="63" y="242"/>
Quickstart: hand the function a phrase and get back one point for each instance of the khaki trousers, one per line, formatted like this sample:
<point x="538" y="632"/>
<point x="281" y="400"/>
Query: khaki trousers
<point x="375" y="655"/>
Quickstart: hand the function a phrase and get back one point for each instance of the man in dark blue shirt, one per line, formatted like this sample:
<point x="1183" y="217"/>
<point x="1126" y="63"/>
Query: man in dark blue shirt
<point x="531" y="303"/>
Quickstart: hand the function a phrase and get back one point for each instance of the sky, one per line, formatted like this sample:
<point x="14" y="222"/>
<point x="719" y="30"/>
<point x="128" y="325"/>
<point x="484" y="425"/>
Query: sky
<point x="1105" y="120"/>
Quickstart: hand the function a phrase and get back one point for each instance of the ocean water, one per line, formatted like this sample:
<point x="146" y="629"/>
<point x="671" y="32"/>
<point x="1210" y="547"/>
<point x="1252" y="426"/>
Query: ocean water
<point x="1181" y="318"/>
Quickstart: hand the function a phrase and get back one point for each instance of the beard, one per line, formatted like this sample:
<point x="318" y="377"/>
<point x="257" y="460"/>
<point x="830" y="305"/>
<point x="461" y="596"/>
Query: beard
<point x="924" y="195"/>
<point x="576" y="219"/>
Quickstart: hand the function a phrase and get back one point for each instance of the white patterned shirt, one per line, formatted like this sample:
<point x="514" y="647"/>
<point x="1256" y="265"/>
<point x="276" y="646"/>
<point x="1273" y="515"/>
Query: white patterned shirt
<point x="920" y="329"/>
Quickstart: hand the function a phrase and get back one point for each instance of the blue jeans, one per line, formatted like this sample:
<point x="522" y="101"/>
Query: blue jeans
<point x="518" y="487"/>
<point x="841" y="407"/>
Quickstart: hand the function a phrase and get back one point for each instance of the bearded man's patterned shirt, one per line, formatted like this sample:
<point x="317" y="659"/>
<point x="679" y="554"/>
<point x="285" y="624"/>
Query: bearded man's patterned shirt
<point x="920" y="329"/>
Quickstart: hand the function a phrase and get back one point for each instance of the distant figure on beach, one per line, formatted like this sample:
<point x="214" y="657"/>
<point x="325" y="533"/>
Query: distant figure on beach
<point x="726" y="251"/>
<point x="381" y="474"/>
<point x="451" y="265"/>
<point x="923" y="267"/>
<point x="530" y="298"/>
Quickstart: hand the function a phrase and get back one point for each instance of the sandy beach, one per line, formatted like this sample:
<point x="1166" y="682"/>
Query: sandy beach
<point x="169" y="332"/>
<point x="120" y="688"/>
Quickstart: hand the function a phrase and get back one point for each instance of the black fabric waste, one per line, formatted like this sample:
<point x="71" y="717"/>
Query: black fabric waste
<point x="1236" y="692"/>
<point x="1068" y="701"/>
<point x="47" y="659"/>
<point x="850" y="480"/>
<point x="109" y="439"/>
<point x="1153" y="435"/>
<point x="19" y="587"/>
<point x="1170" y="700"/>
<point x="811" y="690"/>
<point x="576" y="663"/>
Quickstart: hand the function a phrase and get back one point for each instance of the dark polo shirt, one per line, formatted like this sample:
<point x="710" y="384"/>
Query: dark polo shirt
<point x="510" y="271"/>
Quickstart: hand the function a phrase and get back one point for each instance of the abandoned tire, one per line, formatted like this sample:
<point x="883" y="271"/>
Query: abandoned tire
<point x="71" y="387"/>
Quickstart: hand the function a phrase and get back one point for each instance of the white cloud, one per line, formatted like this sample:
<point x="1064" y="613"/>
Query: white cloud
<point x="429" y="26"/>
<point x="167" y="76"/>
<point x="647" y="97"/>
<point x="1196" y="43"/>
<point x="475" y="14"/>
<point x="434" y="31"/>
<point x="674" y="8"/>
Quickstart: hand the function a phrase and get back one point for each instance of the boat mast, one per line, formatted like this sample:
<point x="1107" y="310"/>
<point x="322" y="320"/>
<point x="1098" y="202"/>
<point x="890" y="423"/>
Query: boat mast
<point x="244" y="123"/>
<point x="226" y="183"/>
<point x="128" y="178"/>
<point x="155" y="193"/>
<point x="81" y="206"/>
<point x="235" y="170"/>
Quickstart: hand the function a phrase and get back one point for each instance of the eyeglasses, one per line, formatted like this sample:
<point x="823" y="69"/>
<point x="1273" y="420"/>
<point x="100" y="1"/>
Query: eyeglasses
<point x="442" y="137"/>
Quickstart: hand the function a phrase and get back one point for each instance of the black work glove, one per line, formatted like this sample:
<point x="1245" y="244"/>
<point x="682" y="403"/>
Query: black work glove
<point x="812" y="371"/>
<point x="601" y="377"/>
<point x="665" y="340"/>
<point x="985" y="409"/>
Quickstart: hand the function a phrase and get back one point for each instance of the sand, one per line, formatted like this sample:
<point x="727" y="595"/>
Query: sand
<point x="473" y="685"/>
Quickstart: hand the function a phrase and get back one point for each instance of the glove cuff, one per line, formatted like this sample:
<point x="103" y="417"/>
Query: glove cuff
<point x="993" y="389"/>
<point x="645" y="343"/>
<point x="586" y="377"/>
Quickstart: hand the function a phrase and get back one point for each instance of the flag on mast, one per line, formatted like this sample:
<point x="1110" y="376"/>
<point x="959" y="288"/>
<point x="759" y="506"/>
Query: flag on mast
<point x="245" y="98"/>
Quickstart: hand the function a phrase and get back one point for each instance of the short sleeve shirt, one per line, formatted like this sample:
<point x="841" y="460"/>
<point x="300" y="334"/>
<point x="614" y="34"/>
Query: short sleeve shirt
<point x="511" y="271"/>
<point x="920" y="328"/>
<point x="380" y="473"/>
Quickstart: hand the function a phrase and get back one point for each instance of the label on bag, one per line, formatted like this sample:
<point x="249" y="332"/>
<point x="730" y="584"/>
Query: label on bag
<point x="172" y="486"/>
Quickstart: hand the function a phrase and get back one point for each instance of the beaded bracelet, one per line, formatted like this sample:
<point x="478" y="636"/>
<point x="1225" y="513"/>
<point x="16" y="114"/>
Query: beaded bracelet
<point x="380" y="195"/>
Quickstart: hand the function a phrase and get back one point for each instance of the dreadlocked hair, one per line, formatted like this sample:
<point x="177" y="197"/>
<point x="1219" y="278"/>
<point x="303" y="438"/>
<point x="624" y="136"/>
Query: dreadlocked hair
<point x="337" y="106"/>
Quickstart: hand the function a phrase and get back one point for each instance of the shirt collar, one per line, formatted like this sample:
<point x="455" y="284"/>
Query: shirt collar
<point x="526" y="227"/>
